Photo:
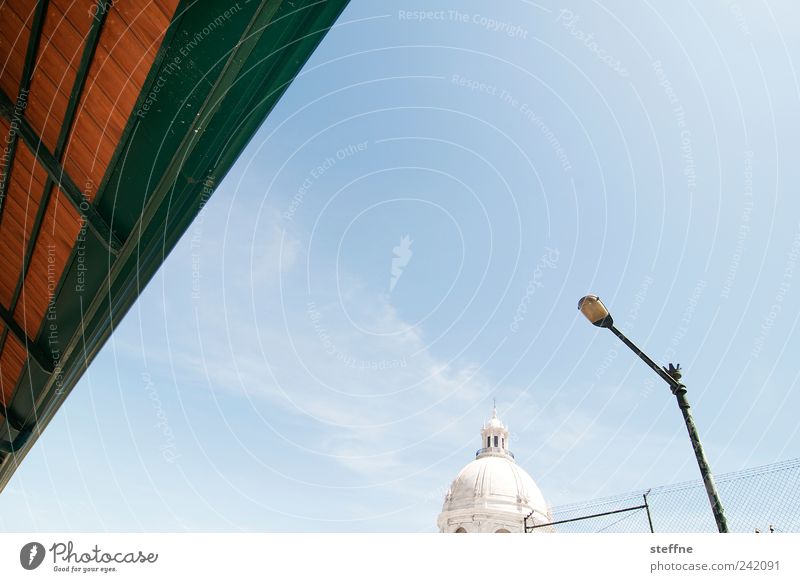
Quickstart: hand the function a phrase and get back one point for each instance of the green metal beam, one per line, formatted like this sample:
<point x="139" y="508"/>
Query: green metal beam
<point x="24" y="85"/>
<point x="89" y="49"/>
<point x="96" y="223"/>
<point x="33" y="44"/>
<point x="5" y="172"/>
<point x="25" y="82"/>
<point x="44" y="362"/>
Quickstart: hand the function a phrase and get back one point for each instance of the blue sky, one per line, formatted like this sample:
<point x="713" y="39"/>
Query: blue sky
<point x="278" y="375"/>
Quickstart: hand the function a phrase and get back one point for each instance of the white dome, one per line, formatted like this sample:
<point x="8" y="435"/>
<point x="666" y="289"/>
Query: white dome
<point x="492" y="493"/>
<point x="493" y="481"/>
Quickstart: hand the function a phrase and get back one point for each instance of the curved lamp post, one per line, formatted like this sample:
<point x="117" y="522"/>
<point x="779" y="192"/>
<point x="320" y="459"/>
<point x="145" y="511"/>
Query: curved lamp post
<point x="596" y="312"/>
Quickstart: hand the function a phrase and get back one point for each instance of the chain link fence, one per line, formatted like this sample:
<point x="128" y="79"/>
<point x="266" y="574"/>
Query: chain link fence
<point x="765" y="498"/>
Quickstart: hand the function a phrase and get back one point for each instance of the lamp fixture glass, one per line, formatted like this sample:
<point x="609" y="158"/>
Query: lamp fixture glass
<point x="595" y="311"/>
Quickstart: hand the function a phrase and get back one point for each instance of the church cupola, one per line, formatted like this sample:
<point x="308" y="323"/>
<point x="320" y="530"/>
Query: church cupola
<point x="494" y="438"/>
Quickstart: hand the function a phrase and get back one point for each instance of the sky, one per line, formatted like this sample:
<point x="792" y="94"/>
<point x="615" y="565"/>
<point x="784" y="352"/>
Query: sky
<point x="405" y="240"/>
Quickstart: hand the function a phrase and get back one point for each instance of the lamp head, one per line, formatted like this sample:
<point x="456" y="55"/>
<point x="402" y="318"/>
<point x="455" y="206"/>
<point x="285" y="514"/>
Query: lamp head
<point x="595" y="311"/>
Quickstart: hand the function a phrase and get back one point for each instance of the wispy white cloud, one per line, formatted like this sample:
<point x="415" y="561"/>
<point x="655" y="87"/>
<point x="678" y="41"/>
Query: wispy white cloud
<point x="369" y="399"/>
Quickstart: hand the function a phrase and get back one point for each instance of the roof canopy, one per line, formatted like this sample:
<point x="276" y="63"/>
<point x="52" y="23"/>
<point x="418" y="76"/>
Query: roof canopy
<point x="118" y="120"/>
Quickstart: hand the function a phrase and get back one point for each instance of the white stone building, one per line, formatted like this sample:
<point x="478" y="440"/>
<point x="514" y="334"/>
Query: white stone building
<point x="492" y="494"/>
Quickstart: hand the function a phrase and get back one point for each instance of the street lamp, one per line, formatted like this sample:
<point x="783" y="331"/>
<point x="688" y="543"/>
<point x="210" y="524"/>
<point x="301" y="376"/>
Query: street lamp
<point x="596" y="312"/>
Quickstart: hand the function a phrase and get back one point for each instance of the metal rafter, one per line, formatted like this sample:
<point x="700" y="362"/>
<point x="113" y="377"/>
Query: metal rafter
<point x="24" y="86"/>
<point x="89" y="48"/>
<point x="44" y="362"/>
<point x="47" y="160"/>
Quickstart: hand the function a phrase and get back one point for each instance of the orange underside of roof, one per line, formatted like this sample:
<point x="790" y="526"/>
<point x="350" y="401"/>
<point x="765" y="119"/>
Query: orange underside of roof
<point x="125" y="50"/>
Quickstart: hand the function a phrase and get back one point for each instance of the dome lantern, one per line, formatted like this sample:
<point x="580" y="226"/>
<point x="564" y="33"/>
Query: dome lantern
<point x="494" y="438"/>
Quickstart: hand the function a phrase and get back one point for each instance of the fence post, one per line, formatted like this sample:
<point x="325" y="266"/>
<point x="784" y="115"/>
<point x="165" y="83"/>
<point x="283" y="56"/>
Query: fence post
<point x="647" y="509"/>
